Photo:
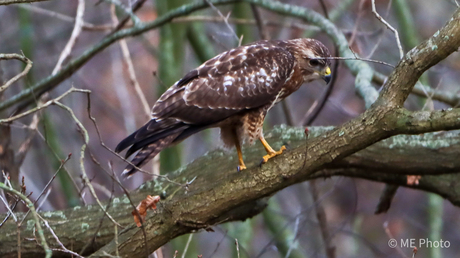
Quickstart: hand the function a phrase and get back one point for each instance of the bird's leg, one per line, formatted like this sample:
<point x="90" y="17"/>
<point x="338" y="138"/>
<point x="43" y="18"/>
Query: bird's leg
<point x="270" y="151"/>
<point x="241" y="165"/>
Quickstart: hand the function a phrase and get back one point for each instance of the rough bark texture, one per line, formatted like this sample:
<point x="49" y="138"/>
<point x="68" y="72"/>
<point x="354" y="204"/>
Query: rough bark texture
<point x="220" y="194"/>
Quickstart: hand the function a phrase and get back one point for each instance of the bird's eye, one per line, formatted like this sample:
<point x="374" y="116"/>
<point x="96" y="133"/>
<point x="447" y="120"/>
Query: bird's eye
<point x="314" y="62"/>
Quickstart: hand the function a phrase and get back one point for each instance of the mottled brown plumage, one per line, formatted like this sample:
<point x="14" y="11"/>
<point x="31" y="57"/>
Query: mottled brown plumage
<point x="233" y="91"/>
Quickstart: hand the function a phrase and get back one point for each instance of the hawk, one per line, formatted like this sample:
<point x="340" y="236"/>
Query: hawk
<point x="233" y="91"/>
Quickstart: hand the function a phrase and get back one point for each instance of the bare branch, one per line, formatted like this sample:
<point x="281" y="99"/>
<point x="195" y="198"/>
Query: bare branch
<point x="20" y="75"/>
<point x="225" y="18"/>
<point x="73" y="37"/>
<point x="132" y="73"/>
<point x="374" y="10"/>
<point x="66" y="18"/>
<point x="31" y="207"/>
<point x="7" y="2"/>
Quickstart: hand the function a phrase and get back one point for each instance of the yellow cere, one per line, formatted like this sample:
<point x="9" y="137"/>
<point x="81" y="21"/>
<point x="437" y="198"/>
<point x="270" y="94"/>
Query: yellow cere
<point x="328" y="71"/>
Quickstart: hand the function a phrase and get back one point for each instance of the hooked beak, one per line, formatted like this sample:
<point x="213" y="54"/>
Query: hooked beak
<point x="327" y="75"/>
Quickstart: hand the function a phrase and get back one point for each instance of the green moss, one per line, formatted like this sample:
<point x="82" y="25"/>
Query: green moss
<point x="30" y="224"/>
<point x="84" y="226"/>
<point x="50" y="214"/>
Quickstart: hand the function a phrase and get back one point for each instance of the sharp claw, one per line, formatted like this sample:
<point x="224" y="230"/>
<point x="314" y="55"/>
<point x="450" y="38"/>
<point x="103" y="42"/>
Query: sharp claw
<point x="262" y="161"/>
<point x="271" y="155"/>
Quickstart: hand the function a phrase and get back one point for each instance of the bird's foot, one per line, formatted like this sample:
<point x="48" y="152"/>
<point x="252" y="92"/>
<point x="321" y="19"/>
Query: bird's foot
<point x="272" y="154"/>
<point x="240" y="167"/>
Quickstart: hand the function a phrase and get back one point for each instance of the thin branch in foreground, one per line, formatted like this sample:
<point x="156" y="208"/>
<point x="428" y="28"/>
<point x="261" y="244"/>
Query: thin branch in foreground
<point x="82" y="131"/>
<point x="85" y="178"/>
<point x="380" y="18"/>
<point x="218" y="19"/>
<point x="7" y="2"/>
<point x="358" y="59"/>
<point x="129" y="63"/>
<point x="47" y="185"/>
<point x="26" y="70"/>
<point x="73" y="37"/>
<point x="63" y="248"/>
<point x="237" y="247"/>
<point x="136" y="6"/>
<point x="225" y="18"/>
<point x="186" y="245"/>
<point x="126" y="10"/>
<point x="31" y="207"/>
<point x="85" y="26"/>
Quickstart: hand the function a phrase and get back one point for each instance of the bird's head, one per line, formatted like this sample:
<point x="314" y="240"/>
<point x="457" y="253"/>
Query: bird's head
<point x="309" y="54"/>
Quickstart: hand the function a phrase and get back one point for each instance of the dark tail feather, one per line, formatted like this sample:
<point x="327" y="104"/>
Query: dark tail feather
<point x="149" y="152"/>
<point x="152" y="138"/>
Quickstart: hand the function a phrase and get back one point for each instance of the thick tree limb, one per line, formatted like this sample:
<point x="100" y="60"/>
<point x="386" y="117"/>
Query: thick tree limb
<point x="220" y="194"/>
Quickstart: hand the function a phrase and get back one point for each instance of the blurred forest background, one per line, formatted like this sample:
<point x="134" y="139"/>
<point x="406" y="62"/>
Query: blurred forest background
<point x="289" y="226"/>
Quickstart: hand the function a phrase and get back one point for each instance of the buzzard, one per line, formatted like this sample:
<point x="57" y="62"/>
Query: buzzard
<point x="233" y="91"/>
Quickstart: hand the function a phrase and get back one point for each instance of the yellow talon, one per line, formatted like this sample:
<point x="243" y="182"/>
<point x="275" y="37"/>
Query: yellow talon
<point x="270" y="151"/>
<point x="272" y="154"/>
<point x="241" y="165"/>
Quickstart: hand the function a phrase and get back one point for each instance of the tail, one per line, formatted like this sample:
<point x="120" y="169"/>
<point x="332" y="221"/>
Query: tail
<point x="151" y="139"/>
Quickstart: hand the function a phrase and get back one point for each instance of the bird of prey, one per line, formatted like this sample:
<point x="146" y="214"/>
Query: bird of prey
<point x="233" y="91"/>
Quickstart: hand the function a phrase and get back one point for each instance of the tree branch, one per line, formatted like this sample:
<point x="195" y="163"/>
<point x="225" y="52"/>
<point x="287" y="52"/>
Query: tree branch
<point x="7" y="2"/>
<point x="220" y="194"/>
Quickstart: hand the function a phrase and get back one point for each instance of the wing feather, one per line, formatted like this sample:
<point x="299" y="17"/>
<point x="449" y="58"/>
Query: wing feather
<point x="243" y="78"/>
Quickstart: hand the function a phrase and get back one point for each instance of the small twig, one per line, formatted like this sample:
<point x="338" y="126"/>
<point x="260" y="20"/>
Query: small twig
<point x="359" y="59"/>
<point x="224" y="18"/>
<point x="44" y="199"/>
<point x="379" y="40"/>
<point x="82" y="130"/>
<point x="26" y="70"/>
<point x="218" y="19"/>
<point x="63" y="248"/>
<point x="25" y="146"/>
<point x="358" y="19"/>
<point x="117" y="253"/>
<point x="132" y="73"/>
<point x="9" y="209"/>
<point x="73" y="37"/>
<point x="126" y="10"/>
<point x="294" y="239"/>
<point x="186" y="245"/>
<point x="85" y="178"/>
<point x="136" y="6"/>
<point x="115" y="178"/>
<point x="52" y="178"/>
<point x="322" y="221"/>
<point x="237" y="248"/>
<point x="45" y="105"/>
<point x="30" y="205"/>
<point x="323" y="7"/>
<point x="66" y="18"/>
<point x="7" y="2"/>
<point x="401" y="52"/>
